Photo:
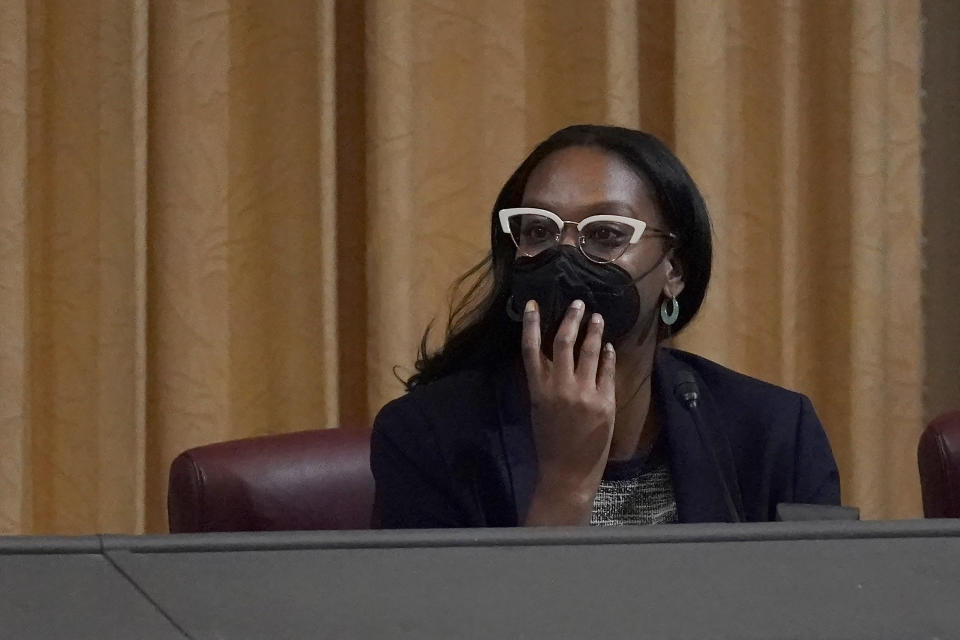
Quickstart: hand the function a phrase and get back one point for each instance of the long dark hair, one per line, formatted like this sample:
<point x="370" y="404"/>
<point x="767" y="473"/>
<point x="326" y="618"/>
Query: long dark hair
<point x="479" y="333"/>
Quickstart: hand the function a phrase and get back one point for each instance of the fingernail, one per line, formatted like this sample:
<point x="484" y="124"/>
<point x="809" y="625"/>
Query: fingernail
<point x="531" y="306"/>
<point x="596" y="319"/>
<point x="608" y="348"/>
<point x="577" y="304"/>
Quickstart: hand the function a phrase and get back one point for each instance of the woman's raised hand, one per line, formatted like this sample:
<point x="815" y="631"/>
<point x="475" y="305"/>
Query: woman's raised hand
<point x="573" y="406"/>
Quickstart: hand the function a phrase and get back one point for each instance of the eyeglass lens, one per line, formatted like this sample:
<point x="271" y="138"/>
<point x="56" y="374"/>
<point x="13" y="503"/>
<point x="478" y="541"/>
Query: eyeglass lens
<point x="600" y="240"/>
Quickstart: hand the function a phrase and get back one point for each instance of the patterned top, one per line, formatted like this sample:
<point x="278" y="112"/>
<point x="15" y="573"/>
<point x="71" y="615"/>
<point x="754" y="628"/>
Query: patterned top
<point x="636" y="491"/>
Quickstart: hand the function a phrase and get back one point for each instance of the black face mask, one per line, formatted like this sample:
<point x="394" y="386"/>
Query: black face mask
<point x="558" y="276"/>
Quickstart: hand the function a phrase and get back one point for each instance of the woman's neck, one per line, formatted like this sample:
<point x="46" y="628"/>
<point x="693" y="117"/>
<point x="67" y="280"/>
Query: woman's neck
<point x="636" y="423"/>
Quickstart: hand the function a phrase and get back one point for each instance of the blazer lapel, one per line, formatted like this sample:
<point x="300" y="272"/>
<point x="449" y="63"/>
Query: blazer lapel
<point x="695" y="483"/>
<point x="516" y="435"/>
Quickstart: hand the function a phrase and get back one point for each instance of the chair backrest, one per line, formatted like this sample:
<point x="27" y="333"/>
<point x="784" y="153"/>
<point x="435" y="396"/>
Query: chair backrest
<point x="307" y="480"/>
<point x="938" y="457"/>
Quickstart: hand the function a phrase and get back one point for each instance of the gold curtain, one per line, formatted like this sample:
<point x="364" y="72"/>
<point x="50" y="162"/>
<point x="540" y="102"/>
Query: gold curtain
<point x="227" y="218"/>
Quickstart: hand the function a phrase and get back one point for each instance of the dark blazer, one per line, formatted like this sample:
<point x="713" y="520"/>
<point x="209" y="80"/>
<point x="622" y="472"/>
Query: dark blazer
<point x="459" y="452"/>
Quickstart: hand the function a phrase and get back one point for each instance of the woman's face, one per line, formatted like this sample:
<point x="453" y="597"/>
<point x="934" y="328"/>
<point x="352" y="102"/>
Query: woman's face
<point x="578" y="182"/>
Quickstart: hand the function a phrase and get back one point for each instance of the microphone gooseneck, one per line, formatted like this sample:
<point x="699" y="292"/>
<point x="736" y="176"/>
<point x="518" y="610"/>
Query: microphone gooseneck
<point x="686" y="391"/>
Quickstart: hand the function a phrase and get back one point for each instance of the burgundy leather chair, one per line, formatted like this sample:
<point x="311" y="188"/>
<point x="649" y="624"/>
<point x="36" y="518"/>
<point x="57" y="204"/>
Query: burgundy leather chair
<point x="938" y="456"/>
<point x="306" y="480"/>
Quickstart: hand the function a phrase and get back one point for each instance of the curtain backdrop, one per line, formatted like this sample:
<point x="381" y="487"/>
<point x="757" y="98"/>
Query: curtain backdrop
<point x="223" y="218"/>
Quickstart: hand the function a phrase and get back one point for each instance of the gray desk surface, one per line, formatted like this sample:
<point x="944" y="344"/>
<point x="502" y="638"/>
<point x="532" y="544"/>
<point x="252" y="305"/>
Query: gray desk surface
<point x="67" y="589"/>
<point x="776" y="580"/>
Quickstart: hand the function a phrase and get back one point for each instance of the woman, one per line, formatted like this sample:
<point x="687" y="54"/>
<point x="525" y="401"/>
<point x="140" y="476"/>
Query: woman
<point x="552" y="401"/>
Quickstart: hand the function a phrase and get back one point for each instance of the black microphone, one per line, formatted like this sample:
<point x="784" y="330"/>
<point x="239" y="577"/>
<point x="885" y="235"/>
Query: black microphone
<point x="686" y="391"/>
